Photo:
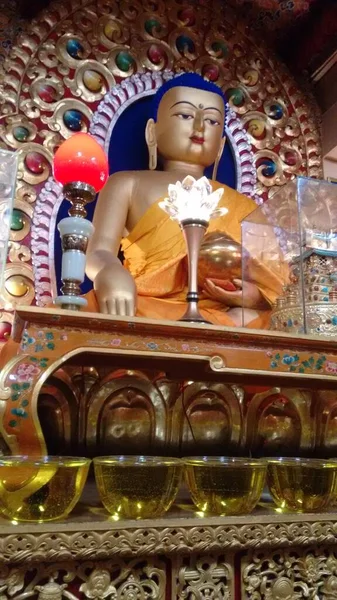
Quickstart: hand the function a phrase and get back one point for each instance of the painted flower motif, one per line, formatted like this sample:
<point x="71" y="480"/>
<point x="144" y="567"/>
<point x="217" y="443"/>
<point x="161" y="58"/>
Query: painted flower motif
<point x="115" y="342"/>
<point x="185" y="347"/>
<point x="27" y="372"/>
<point x="331" y="367"/>
<point x="152" y="346"/>
<point x="287" y="359"/>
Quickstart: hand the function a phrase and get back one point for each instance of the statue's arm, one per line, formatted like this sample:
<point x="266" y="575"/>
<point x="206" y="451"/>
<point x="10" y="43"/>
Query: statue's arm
<point x="114" y="286"/>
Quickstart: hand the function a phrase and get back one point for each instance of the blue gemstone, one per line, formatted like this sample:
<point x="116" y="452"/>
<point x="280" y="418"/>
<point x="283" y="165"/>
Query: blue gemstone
<point x="73" y="119"/>
<point x="269" y="169"/>
<point x="334" y="320"/>
<point x="325" y="290"/>
<point x="276" y="112"/>
<point x="184" y="44"/>
<point x="75" y="49"/>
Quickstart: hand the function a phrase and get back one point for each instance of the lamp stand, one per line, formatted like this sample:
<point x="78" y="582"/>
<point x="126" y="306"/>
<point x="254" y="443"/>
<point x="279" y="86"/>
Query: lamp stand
<point x="75" y="232"/>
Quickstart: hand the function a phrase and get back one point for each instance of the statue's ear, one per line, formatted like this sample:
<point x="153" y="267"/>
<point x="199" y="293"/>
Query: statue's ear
<point x="151" y="140"/>
<point x="150" y="133"/>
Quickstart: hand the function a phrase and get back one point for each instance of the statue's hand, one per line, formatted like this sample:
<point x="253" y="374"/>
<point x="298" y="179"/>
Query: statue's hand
<point x="246" y="294"/>
<point x="116" y="291"/>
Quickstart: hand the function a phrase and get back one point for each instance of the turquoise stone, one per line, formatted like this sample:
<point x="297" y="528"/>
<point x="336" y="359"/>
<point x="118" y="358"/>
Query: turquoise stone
<point x="220" y="48"/>
<point x="236" y="95"/>
<point x="152" y="24"/>
<point x="124" y="61"/>
<point x="18" y="221"/>
<point x="21" y="133"/>
<point x="73" y="119"/>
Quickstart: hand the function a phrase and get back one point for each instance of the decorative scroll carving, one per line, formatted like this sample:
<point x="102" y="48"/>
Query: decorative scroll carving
<point x="161" y="540"/>
<point x="116" y="580"/>
<point x="294" y="575"/>
<point x="204" y="578"/>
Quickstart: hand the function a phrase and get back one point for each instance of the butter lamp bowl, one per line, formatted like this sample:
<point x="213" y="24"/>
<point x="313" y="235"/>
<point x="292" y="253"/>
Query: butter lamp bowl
<point x="41" y="489"/>
<point x="225" y="486"/>
<point x="137" y="487"/>
<point x="302" y="485"/>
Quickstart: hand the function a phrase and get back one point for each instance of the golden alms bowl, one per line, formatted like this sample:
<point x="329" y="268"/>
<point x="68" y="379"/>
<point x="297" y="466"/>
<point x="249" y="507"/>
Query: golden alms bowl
<point x="137" y="487"/>
<point x="225" y="486"/>
<point x="39" y="489"/>
<point x="220" y="258"/>
<point x="301" y="485"/>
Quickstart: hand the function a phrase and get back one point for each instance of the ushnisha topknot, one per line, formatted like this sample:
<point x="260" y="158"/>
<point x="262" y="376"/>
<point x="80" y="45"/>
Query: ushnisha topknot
<point x="191" y="80"/>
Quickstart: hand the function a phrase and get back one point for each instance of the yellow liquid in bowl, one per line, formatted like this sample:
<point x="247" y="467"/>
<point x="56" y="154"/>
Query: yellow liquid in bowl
<point x="231" y="489"/>
<point x="137" y="491"/>
<point x="48" y="491"/>
<point x="301" y="487"/>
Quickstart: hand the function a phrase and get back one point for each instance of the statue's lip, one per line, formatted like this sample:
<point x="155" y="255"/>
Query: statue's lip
<point x="196" y="139"/>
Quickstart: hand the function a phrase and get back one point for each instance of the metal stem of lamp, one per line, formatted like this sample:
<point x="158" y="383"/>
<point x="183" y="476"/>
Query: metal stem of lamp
<point x="75" y="232"/>
<point x="194" y="231"/>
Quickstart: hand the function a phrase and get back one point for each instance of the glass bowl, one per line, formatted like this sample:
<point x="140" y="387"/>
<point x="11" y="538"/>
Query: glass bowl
<point x="137" y="487"/>
<point x="225" y="486"/>
<point x="301" y="485"/>
<point x="39" y="489"/>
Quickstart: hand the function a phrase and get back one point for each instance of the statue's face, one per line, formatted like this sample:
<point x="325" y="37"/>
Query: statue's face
<point x="190" y="125"/>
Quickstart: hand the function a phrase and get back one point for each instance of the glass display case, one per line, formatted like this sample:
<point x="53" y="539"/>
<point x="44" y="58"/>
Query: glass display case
<point x="8" y="172"/>
<point x="291" y="254"/>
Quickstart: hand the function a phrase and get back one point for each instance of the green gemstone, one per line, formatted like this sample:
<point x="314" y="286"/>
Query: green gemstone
<point x="152" y="24"/>
<point x="220" y="47"/>
<point x="124" y="61"/>
<point x="21" y="133"/>
<point x="236" y="95"/>
<point x="18" y="221"/>
<point x="13" y="423"/>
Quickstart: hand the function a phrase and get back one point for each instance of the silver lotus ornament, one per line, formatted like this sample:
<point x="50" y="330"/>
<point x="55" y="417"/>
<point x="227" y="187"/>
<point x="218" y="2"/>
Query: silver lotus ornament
<point x="193" y="199"/>
<point x="193" y="203"/>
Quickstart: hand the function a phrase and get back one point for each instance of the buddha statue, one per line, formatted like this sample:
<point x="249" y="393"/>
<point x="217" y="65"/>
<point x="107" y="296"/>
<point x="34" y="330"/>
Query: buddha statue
<point x="184" y="136"/>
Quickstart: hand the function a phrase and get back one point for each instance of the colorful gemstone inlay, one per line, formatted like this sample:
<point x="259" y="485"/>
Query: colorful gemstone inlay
<point x="20" y="133"/>
<point x="35" y="163"/>
<point x="75" y="49"/>
<point x="73" y="119"/>
<point x="124" y="61"/>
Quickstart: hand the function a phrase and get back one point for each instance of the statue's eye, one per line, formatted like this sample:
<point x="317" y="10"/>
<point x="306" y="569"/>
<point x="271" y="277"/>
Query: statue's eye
<point x="212" y="122"/>
<point x="184" y="116"/>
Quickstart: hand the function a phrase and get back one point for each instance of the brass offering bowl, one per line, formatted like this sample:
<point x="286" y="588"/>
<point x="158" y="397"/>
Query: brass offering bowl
<point x="137" y="487"/>
<point x="39" y="489"/>
<point x="225" y="486"/>
<point x="302" y="485"/>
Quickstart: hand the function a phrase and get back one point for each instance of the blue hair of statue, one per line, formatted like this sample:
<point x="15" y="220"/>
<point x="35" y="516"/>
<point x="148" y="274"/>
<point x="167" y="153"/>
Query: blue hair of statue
<point x="191" y="80"/>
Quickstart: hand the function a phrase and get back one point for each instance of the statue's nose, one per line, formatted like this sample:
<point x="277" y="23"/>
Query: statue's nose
<point x="199" y="122"/>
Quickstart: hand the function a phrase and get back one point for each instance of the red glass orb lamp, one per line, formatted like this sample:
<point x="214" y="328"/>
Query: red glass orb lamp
<point x="81" y="166"/>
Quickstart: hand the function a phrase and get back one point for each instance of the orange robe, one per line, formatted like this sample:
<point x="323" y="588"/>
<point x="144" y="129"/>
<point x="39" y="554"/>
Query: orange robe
<point x="155" y="254"/>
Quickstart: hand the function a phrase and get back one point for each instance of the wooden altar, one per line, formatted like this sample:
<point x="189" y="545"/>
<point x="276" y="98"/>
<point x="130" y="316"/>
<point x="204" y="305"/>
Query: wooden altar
<point x="266" y="555"/>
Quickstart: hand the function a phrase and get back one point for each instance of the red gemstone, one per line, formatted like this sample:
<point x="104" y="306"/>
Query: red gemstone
<point x="187" y="17"/>
<point x="5" y="331"/>
<point x="290" y="159"/>
<point x="47" y="93"/>
<point x="35" y="163"/>
<point x="211" y="72"/>
<point x="155" y="54"/>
